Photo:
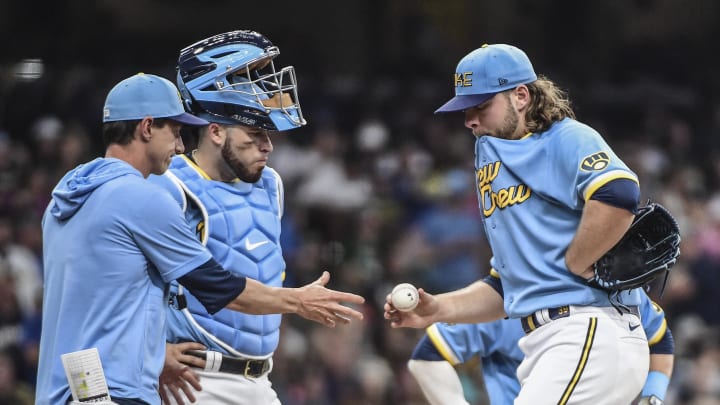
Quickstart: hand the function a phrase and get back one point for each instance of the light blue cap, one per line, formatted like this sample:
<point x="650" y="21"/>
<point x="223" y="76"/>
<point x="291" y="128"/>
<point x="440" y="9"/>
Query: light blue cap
<point x="145" y="95"/>
<point x="487" y="71"/>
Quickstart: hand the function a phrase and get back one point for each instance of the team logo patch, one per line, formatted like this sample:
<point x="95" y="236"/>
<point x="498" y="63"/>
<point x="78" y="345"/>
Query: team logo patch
<point x="595" y="162"/>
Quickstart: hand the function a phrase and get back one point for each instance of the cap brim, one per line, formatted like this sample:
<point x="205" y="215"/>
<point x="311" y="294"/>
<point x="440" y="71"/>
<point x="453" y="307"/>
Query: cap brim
<point x="189" y="119"/>
<point x="463" y="102"/>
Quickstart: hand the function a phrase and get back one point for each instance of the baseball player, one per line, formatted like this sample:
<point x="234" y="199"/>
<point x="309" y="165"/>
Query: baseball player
<point x="234" y="201"/>
<point x="112" y="243"/>
<point x="553" y="198"/>
<point x="496" y="343"/>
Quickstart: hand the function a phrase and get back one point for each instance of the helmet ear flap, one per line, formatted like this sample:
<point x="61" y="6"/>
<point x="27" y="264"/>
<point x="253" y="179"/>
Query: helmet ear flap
<point x="188" y="104"/>
<point x="185" y="96"/>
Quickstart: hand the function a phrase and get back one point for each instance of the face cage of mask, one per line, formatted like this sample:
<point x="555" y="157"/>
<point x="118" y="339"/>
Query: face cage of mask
<point x="271" y="90"/>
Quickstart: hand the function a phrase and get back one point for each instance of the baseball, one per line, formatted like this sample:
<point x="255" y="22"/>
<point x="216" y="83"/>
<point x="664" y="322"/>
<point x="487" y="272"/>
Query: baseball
<point x="404" y="297"/>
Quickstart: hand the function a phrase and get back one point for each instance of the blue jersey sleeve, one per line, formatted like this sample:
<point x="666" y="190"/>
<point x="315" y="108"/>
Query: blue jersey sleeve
<point x="457" y="343"/>
<point x="213" y="286"/>
<point x="496" y="343"/>
<point x="160" y="229"/>
<point x="666" y="344"/>
<point x="620" y="193"/>
<point x="426" y="350"/>
<point x="167" y="183"/>
<point x="653" y="319"/>
<point x="493" y="280"/>
<point x="587" y="161"/>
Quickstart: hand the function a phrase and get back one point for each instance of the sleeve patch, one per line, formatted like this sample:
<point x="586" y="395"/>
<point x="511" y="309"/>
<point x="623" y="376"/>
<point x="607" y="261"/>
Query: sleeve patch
<point x="595" y="162"/>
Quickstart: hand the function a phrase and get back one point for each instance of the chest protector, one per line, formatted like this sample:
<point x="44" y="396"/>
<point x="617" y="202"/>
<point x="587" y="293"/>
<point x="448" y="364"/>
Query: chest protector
<point x="240" y="225"/>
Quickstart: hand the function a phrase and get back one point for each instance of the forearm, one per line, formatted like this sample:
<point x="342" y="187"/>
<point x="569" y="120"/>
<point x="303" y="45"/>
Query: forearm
<point x="260" y="299"/>
<point x="312" y="301"/>
<point x="601" y="227"/>
<point x="658" y="378"/>
<point x="478" y="302"/>
<point x="662" y="363"/>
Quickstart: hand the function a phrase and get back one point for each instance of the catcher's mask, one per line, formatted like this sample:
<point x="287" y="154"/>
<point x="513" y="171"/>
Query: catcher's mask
<point x="230" y="78"/>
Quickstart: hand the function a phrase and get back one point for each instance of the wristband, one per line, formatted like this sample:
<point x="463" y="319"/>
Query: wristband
<point x="656" y="384"/>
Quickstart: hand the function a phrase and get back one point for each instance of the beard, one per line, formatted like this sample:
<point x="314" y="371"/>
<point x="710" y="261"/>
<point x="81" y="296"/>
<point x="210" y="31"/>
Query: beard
<point x="509" y="125"/>
<point x="241" y="171"/>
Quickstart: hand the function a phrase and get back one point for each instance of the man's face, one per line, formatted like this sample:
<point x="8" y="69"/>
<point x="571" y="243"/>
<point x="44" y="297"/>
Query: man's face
<point x="496" y="117"/>
<point x="246" y="151"/>
<point x="165" y="143"/>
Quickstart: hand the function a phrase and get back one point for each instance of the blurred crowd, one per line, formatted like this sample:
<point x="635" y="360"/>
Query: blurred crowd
<point x="378" y="191"/>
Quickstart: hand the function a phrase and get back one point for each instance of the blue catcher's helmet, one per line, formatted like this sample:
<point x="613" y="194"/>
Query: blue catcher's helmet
<point x="230" y="78"/>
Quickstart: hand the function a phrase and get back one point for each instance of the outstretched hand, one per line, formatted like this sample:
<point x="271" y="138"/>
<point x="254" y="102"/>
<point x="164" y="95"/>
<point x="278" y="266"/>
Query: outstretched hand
<point x="177" y="375"/>
<point x="323" y="305"/>
<point x="420" y="317"/>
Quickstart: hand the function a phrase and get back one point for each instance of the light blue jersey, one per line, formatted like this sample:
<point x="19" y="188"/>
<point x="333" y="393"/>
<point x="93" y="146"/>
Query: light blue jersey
<point x="531" y="202"/>
<point x="111" y="244"/>
<point x="496" y="343"/>
<point x="653" y="320"/>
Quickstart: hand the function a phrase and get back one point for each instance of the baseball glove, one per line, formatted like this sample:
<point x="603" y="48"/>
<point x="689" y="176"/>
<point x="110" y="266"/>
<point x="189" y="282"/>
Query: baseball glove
<point x="648" y="249"/>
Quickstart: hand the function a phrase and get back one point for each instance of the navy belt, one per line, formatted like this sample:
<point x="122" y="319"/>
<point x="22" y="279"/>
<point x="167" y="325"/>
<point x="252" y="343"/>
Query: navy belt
<point x="545" y="316"/>
<point x="538" y="318"/>
<point x="233" y="365"/>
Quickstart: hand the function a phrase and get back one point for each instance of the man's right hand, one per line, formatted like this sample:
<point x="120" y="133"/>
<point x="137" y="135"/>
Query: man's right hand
<point x="420" y="317"/>
<point x="312" y="301"/>
<point x="322" y="305"/>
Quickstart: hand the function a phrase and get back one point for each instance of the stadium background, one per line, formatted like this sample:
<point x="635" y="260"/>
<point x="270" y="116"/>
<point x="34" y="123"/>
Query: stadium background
<point x="378" y="188"/>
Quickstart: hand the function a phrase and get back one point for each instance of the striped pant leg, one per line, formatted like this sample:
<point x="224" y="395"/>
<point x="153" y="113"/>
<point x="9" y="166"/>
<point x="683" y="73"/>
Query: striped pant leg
<point x="584" y="358"/>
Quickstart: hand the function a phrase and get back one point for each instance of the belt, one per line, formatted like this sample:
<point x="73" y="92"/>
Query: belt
<point x="219" y="362"/>
<point x="544" y="316"/>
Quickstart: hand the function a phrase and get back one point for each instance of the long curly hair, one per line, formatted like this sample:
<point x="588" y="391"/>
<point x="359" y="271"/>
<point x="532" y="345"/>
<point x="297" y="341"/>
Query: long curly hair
<point x="548" y="105"/>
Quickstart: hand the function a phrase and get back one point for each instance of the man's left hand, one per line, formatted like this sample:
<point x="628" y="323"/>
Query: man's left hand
<point x="177" y="375"/>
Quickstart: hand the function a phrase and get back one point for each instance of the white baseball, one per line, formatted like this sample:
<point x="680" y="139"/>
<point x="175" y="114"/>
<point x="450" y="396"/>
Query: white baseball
<point x="404" y="297"/>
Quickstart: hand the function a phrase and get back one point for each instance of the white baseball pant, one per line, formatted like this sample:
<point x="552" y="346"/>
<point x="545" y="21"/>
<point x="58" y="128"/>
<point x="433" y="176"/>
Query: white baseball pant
<point x="593" y="356"/>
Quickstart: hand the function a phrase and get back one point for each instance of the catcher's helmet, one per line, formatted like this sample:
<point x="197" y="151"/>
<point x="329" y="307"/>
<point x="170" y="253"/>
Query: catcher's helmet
<point x="230" y="78"/>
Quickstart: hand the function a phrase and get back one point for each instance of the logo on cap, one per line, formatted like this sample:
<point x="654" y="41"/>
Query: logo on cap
<point x="487" y="71"/>
<point x="463" y="79"/>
